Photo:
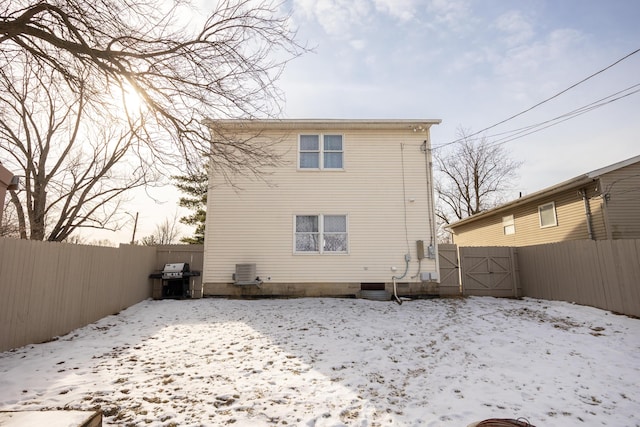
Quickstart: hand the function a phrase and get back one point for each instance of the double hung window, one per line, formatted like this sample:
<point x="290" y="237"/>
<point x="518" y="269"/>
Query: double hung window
<point x="508" y="225"/>
<point x="321" y="234"/>
<point x="321" y="152"/>
<point x="547" y="214"/>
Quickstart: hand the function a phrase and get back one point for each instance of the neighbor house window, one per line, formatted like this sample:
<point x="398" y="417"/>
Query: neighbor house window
<point x="321" y="234"/>
<point x="547" y="213"/>
<point x="321" y="152"/>
<point x="508" y="225"/>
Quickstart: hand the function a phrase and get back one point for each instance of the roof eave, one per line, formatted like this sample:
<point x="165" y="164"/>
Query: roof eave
<point x="575" y="182"/>
<point x="321" y="124"/>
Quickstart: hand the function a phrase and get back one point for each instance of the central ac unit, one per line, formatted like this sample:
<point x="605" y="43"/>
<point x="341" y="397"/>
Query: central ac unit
<point x="246" y="275"/>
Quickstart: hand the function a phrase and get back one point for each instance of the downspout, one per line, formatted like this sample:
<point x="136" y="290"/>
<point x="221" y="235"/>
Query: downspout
<point x="432" y="251"/>
<point x="587" y="210"/>
<point x="407" y="256"/>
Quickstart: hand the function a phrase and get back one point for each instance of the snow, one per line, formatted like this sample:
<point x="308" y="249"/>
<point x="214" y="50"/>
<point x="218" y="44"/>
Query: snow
<point x="338" y="362"/>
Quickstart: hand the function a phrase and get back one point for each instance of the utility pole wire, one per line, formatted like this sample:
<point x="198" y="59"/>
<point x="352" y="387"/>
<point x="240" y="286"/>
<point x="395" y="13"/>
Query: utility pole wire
<point x="544" y="101"/>
<point x="528" y="130"/>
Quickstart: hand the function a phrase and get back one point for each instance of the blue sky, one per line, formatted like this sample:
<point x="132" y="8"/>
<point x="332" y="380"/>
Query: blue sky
<point x="472" y="64"/>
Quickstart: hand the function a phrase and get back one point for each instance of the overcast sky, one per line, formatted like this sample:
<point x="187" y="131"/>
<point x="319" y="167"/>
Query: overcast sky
<point x="472" y="63"/>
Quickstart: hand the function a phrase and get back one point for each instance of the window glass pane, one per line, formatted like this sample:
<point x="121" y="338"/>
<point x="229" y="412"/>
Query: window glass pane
<point x="333" y="142"/>
<point x="307" y="242"/>
<point x="335" y="223"/>
<point x="307" y="235"/>
<point x="309" y="143"/>
<point x="309" y="160"/>
<point x="547" y="215"/>
<point x="307" y="223"/>
<point x="335" y="242"/>
<point x="333" y="160"/>
<point x="508" y="225"/>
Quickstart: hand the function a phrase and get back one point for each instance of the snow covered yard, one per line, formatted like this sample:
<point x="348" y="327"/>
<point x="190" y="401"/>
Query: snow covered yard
<point x="333" y="362"/>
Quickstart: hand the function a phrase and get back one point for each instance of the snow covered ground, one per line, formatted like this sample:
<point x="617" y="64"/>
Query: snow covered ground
<point x="335" y="362"/>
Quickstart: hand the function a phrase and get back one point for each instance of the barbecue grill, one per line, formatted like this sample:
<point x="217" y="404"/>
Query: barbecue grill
<point x="175" y="279"/>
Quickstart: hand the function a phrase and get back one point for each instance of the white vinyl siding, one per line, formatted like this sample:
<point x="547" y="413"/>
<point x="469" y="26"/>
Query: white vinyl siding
<point x="253" y="221"/>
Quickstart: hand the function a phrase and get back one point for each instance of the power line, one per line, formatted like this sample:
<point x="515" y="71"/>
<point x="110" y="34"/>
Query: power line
<point x="590" y="106"/>
<point x="528" y="130"/>
<point x="514" y="134"/>
<point x="541" y="102"/>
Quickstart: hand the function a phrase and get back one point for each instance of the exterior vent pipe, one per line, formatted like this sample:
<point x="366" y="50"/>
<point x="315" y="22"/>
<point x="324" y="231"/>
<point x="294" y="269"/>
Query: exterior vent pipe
<point x="587" y="210"/>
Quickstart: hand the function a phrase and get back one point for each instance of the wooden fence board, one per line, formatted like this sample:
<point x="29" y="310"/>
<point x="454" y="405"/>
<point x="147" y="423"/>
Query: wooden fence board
<point x="603" y="274"/>
<point x="49" y="289"/>
<point x="449" y="270"/>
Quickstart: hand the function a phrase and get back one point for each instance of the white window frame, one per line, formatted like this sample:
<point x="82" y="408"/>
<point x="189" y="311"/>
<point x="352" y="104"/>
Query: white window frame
<point x="551" y="205"/>
<point x="321" y="246"/>
<point x="508" y="225"/>
<point x="321" y="151"/>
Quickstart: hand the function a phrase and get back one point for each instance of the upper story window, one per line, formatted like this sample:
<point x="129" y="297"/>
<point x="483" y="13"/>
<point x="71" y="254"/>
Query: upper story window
<point x="321" y="152"/>
<point x="508" y="225"/>
<point x="547" y="214"/>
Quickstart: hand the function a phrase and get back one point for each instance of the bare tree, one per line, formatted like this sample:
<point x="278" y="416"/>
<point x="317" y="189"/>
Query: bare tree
<point x="184" y="72"/>
<point x="166" y="233"/>
<point x="75" y="171"/>
<point x="67" y="67"/>
<point x="473" y="176"/>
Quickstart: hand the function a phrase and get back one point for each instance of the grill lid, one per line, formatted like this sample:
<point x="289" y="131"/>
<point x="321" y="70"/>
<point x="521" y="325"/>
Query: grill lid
<point x="175" y="270"/>
<point x="176" y="267"/>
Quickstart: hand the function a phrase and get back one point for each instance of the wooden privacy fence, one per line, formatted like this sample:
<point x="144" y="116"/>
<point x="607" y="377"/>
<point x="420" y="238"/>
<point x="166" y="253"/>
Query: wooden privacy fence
<point x="48" y="289"/>
<point x="603" y="274"/>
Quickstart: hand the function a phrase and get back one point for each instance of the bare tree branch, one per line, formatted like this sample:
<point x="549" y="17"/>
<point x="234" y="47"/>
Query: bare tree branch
<point x="67" y="68"/>
<point x="77" y="161"/>
<point x="471" y="178"/>
<point x="166" y="233"/>
<point x="225" y="68"/>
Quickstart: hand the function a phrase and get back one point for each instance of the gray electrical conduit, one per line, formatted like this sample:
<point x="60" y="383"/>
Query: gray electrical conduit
<point x="397" y="299"/>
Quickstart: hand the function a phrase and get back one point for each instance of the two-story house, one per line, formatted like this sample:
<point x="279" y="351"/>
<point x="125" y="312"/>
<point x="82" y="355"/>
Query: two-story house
<point x="348" y="207"/>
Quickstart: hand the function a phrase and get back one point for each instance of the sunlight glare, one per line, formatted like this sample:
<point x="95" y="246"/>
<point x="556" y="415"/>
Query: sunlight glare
<point x="133" y="102"/>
